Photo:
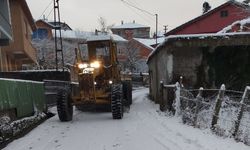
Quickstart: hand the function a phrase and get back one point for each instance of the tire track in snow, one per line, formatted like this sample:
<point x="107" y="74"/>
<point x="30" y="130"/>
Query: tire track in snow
<point x="156" y="119"/>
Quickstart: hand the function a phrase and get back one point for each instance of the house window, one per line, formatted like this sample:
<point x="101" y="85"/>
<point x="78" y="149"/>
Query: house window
<point x="223" y="13"/>
<point x="40" y="34"/>
<point x="119" y="51"/>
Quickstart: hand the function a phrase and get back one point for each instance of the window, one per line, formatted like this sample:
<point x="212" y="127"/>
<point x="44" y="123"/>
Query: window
<point x="119" y="51"/>
<point x="223" y="13"/>
<point x="40" y="34"/>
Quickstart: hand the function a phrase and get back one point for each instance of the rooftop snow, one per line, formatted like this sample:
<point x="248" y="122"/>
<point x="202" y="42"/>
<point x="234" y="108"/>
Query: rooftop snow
<point x="150" y="42"/>
<point x="89" y="36"/>
<point x="102" y="37"/>
<point x="69" y="34"/>
<point x="129" y="26"/>
<point x="242" y="23"/>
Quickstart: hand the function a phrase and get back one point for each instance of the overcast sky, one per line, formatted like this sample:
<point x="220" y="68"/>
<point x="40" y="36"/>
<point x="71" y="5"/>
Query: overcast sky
<point x="84" y="14"/>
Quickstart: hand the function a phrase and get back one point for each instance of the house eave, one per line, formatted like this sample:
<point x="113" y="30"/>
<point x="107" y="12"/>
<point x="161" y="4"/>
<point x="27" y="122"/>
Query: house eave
<point x="203" y="40"/>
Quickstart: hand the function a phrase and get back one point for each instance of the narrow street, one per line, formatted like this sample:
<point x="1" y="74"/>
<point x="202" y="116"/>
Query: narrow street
<point x="143" y="128"/>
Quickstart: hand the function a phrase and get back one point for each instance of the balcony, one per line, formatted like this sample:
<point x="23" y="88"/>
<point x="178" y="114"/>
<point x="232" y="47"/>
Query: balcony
<point x="5" y="26"/>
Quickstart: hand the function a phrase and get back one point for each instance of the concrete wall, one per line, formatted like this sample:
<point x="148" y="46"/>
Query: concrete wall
<point x="169" y="64"/>
<point x="160" y="69"/>
<point x="185" y="63"/>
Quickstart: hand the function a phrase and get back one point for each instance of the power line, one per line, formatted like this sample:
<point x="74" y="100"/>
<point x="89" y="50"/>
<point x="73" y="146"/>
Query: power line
<point x="137" y="7"/>
<point x="142" y="10"/>
<point x="46" y="8"/>
<point x="145" y="19"/>
<point x="152" y="16"/>
<point x="50" y="13"/>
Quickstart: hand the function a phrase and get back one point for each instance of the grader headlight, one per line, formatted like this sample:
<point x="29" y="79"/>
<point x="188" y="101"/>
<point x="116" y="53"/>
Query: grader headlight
<point x="95" y="64"/>
<point x="82" y="66"/>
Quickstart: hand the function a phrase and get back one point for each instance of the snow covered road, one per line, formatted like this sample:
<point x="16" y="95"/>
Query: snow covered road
<point x="143" y="128"/>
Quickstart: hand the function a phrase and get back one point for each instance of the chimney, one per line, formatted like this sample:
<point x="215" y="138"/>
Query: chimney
<point x="122" y="22"/>
<point x="206" y="7"/>
<point x="134" y="21"/>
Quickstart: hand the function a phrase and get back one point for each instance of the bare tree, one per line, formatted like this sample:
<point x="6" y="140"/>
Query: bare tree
<point x="46" y="53"/>
<point x="134" y="62"/>
<point x="103" y="24"/>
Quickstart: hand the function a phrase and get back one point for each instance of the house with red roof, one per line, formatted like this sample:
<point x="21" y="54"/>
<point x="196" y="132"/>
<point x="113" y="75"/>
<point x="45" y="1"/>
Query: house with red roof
<point x="131" y="30"/>
<point x="214" y="20"/>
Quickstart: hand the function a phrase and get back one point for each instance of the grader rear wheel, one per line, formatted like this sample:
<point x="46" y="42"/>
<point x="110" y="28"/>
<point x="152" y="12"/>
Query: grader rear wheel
<point x="116" y="101"/>
<point x="64" y="106"/>
<point x="127" y="93"/>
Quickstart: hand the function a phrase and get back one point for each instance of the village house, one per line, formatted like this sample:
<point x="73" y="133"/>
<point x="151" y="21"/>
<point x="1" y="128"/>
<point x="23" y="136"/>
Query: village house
<point x="133" y="54"/>
<point x="131" y="30"/>
<point x="214" y="20"/>
<point x="20" y="51"/>
<point x="140" y="48"/>
<point x="208" y="59"/>
<point x="45" y="29"/>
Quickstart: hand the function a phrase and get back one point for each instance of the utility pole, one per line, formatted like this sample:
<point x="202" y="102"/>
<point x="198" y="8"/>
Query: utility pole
<point x="156" y="32"/>
<point x="57" y="28"/>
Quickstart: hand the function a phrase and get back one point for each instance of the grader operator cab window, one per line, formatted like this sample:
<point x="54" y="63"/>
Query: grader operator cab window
<point x="84" y="51"/>
<point x="103" y="54"/>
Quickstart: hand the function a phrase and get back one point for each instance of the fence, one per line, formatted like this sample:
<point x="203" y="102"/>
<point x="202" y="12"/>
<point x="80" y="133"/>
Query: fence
<point x="225" y="112"/>
<point x="21" y="98"/>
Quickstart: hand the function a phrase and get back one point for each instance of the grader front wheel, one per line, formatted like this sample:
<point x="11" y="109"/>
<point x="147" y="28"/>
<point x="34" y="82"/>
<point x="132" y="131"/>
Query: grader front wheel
<point x="64" y="106"/>
<point x="116" y="101"/>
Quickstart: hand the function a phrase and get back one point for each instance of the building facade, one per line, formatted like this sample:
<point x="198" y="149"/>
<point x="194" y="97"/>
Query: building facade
<point x="20" y="51"/>
<point x="5" y="29"/>
<point x="214" y="20"/>
<point x="5" y="23"/>
<point x="45" y="29"/>
<point x="132" y="54"/>
<point x="203" y="61"/>
<point x="131" y="30"/>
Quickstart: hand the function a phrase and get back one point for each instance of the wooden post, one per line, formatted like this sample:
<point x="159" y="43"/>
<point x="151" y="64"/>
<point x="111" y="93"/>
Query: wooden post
<point x="217" y="107"/>
<point x="161" y="96"/>
<point x="198" y="103"/>
<point x="177" y="99"/>
<point x="240" y="115"/>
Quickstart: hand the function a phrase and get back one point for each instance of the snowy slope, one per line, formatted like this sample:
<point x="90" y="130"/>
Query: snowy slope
<point x="143" y="128"/>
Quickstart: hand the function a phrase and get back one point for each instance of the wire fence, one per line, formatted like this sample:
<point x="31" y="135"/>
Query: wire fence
<point x="225" y="112"/>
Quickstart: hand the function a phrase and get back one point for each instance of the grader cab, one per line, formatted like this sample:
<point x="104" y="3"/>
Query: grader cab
<point x="99" y="81"/>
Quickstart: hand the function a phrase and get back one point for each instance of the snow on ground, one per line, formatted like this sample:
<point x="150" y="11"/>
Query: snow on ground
<point x="143" y="128"/>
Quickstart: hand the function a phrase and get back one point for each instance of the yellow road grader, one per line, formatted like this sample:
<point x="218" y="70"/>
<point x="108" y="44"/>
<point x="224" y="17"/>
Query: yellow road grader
<point x="99" y="80"/>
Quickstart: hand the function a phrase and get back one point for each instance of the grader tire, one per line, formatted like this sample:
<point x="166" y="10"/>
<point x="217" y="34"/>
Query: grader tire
<point x="127" y="93"/>
<point x="64" y="106"/>
<point x="116" y="101"/>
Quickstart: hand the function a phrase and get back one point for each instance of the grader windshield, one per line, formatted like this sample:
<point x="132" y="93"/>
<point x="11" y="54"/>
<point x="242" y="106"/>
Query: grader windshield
<point x="92" y="52"/>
